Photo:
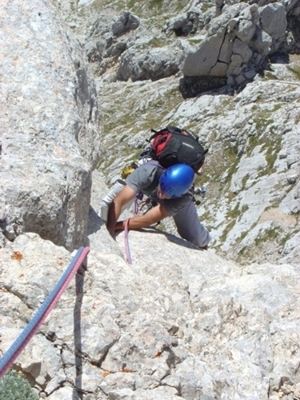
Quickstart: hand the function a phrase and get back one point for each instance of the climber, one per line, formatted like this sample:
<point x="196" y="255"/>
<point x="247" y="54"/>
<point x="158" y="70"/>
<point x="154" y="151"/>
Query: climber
<point x="119" y="185"/>
<point x="169" y="190"/>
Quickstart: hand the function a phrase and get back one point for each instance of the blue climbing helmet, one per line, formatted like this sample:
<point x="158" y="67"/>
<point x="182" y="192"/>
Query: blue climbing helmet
<point x="176" y="180"/>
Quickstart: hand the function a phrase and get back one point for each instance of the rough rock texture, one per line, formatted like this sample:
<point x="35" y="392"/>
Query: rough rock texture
<point x="49" y="126"/>
<point x="177" y="322"/>
<point x="154" y="64"/>
<point x="108" y="38"/>
<point x="238" y="42"/>
<point x="232" y="44"/>
<point x="181" y="323"/>
<point x="183" y="24"/>
<point x="252" y="169"/>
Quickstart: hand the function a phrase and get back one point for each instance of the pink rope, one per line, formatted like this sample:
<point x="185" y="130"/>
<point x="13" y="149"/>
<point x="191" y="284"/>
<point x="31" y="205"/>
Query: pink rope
<point x="126" y="242"/>
<point x="19" y="345"/>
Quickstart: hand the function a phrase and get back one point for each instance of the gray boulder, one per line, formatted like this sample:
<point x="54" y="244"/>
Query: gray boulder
<point x="273" y="22"/>
<point x="238" y="43"/>
<point x="109" y="38"/>
<point x="127" y="22"/>
<point x="154" y="64"/>
<point x="183" y="24"/>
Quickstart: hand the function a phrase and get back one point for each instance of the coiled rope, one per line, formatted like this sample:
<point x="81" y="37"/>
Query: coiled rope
<point x="20" y="343"/>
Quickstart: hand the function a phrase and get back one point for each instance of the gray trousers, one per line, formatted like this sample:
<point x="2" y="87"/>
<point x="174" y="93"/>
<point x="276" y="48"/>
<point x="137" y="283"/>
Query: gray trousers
<point x="190" y="228"/>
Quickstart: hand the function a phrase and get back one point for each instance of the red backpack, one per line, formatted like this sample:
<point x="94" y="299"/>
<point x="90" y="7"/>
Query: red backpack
<point x="173" y="145"/>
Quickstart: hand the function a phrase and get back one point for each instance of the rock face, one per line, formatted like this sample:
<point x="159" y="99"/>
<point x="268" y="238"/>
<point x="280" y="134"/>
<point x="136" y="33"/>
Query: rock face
<point x="49" y="119"/>
<point x="238" y="42"/>
<point x="177" y="322"/>
<point x="181" y="323"/>
<point x="235" y="44"/>
<point x="255" y="136"/>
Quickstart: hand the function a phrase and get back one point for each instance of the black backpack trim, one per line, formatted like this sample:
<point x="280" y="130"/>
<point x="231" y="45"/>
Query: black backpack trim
<point x="173" y="145"/>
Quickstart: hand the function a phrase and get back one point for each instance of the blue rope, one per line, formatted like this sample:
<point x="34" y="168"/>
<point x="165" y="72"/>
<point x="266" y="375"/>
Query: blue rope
<point x="39" y="315"/>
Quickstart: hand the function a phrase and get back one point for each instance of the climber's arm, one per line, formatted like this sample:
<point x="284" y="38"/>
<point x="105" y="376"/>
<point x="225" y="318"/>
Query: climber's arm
<point x="153" y="216"/>
<point x="116" y="205"/>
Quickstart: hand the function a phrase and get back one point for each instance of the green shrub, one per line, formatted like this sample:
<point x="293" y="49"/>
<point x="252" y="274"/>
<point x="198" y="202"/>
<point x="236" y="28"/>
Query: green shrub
<point x="269" y="234"/>
<point x="155" y="3"/>
<point x="14" y="387"/>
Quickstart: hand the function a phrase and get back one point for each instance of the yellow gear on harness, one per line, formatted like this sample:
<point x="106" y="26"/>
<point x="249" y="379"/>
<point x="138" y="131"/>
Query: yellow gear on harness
<point x="126" y="171"/>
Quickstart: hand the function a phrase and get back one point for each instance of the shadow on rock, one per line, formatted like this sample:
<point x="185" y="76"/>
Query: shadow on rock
<point x="193" y="86"/>
<point x="172" y="238"/>
<point x="95" y="222"/>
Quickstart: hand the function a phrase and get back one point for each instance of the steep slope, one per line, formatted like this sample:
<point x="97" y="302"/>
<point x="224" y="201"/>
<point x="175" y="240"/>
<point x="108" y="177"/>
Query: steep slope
<point x="252" y="170"/>
<point x="181" y="323"/>
<point x="177" y="322"/>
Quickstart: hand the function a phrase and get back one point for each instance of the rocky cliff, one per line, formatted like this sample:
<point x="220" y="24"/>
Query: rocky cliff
<point x="49" y="127"/>
<point x="82" y="84"/>
<point x="249" y="56"/>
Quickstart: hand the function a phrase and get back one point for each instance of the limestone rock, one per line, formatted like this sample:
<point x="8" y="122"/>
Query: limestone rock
<point x="181" y="322"/>
<point x="183" y="24"/>
<point x="49" y="118"/>
<point x="178" y="322"/>
<point x="153" y="64"/>
<point x="128" y="21"/>
<point x="237" y="41"/>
